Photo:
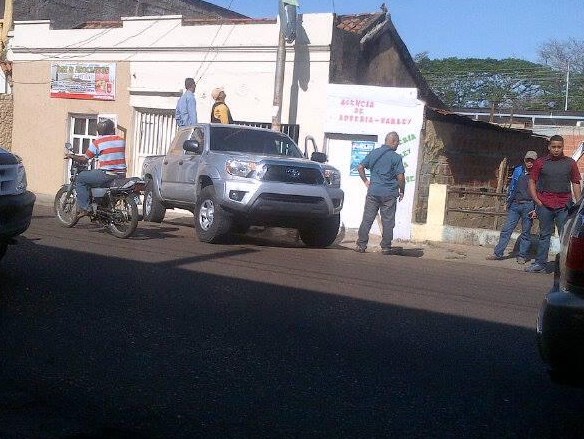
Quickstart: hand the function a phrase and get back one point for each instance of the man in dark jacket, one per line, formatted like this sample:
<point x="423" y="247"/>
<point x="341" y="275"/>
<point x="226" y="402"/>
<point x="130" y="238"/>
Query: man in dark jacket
<point x="553" y="180"/>
<point x="520" y="206"/>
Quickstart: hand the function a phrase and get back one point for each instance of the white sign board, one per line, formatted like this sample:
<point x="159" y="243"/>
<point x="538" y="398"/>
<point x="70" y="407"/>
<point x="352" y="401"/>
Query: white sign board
<point x="374" y="111"/>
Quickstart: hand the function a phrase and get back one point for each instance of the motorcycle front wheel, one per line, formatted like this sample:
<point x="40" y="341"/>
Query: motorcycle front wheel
<point x="66" y="207"/>
<point x="124" y="218"/>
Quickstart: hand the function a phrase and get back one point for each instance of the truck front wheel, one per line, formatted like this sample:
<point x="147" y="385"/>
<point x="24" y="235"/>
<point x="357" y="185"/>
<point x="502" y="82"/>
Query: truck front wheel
<point x="212" y="223"/>
<point x="320" y="233"/>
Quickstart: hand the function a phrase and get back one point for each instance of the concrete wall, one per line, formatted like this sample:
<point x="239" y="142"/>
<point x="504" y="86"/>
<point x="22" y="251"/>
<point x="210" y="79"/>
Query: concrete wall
<point x="41" y="123"/>
<point x="6" y="120"/>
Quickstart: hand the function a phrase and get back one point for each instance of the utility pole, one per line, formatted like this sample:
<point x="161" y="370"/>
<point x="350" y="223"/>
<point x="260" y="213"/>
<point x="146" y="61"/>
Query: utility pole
<point x="286" y="34"/>
<point x="279" y="83"/>
<point x="6" y="24"/>
<point x="567" y="86"/>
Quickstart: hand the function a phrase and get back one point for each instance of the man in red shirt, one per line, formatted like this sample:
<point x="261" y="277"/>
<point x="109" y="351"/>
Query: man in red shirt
<point x="552" y="181"/>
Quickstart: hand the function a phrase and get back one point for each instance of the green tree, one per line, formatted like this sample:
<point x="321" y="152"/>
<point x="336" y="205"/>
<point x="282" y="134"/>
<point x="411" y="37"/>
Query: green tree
<point x="507" y="83"/>
<point x="566" y="58"/>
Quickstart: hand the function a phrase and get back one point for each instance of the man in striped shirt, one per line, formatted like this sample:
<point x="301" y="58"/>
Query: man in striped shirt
<point x="111" y="151"/>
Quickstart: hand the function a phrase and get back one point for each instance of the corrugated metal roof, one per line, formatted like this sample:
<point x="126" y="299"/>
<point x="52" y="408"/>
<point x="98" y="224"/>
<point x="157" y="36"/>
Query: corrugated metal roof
<point x="449" y="116"/>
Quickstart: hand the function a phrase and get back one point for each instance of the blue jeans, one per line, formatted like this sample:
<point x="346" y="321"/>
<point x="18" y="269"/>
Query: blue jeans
<point x="85" y="181"/>
<point x="517" y="211"/>
<point x="386" y="207"/>
<point x="547" y="219"/>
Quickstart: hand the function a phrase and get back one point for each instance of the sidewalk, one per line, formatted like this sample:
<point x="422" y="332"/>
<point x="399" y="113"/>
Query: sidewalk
<point x="473" y="254"/>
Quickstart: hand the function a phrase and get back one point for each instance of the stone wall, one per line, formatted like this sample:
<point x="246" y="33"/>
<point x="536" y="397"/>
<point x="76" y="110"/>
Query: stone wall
<point x="6" y="119"/>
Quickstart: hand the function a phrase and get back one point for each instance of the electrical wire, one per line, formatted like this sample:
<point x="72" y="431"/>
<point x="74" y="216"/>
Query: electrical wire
<point x="211" y="46"/>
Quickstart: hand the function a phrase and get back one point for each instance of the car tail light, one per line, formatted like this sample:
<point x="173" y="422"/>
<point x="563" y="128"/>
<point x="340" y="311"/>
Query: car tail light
<point x="575" y="254"/>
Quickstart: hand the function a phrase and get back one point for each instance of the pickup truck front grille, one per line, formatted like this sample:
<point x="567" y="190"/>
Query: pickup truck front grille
<point x="286" y="198"/>
<point x="293" y="174"/>
<point x="288" y="207"/>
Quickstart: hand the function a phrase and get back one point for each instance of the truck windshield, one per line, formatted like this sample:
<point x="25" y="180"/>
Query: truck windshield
<point x="237" y="139"/>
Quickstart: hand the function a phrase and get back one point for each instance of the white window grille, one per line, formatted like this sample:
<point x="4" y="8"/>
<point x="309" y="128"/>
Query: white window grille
<point x="154" y="130"/>
<point x="82" y="131"/>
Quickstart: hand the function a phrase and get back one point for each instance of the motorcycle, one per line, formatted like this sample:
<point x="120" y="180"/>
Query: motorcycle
<point x="114" y="206"/>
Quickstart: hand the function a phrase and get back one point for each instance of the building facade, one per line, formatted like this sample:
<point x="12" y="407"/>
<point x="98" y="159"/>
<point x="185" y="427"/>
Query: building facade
<point x="147" y="59"/>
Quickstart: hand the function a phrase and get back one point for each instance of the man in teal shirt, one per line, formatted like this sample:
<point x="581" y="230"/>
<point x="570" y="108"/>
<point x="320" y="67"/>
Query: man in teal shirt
<point x="386" y="186"/>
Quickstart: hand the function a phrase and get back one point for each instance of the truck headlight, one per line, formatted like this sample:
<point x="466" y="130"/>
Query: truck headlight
<point x="21" y="182"/>
<point x="241" y="168"/>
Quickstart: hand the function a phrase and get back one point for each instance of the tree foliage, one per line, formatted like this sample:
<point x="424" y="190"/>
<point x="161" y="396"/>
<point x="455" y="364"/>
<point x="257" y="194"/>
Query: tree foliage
<point x="507" y="83"/>
<point x="567" y="57"/>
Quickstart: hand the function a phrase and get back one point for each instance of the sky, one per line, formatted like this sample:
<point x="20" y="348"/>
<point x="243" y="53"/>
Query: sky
<point x="455" y="28"/>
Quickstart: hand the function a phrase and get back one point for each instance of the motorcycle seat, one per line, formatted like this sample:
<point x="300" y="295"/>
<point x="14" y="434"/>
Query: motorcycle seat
<point x="122" y="182"/>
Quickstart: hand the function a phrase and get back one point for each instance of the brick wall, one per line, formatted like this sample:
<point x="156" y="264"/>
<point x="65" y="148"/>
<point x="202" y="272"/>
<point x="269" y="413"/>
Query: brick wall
<point x="6" y="118"/>
<point x="70" y="13"/>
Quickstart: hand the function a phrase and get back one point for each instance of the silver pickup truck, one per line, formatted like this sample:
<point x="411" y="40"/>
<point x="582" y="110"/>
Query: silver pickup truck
<point x="232" y="177"/>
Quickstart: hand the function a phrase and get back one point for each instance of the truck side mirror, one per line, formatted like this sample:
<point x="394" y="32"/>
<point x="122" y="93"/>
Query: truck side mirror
<point x="319" y="157"/>
<point x="193" y="146"/>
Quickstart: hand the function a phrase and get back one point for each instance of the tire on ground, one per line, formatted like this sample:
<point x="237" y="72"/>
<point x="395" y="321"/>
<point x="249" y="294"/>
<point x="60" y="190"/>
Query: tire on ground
<point x="320" y="233"/>
<point x="126" y="217"/>
<point x="212" y="223"/>
<point x="65" y="208"/>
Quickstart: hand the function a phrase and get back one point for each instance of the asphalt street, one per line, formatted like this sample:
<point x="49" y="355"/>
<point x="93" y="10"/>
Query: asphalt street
<point x="160" y="336"/>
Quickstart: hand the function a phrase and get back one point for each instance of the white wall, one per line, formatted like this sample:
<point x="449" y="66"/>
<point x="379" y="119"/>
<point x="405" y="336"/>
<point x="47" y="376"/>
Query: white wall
<point x="162" y="52"/>
<point x="153" y="56"/>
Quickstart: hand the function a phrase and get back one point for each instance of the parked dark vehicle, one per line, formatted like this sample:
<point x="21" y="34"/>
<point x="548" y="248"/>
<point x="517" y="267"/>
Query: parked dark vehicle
<point x="560" y="325"/>
<point x="16" y="203"/>
<point x="115" y="206"/>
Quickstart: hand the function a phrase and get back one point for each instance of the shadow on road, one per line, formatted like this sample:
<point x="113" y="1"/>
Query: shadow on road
<point x="119" y="348"/>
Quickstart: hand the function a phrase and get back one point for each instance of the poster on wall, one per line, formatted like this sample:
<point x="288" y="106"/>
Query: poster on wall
<point x="93" y="81"/>
<point x="359" y="151"/>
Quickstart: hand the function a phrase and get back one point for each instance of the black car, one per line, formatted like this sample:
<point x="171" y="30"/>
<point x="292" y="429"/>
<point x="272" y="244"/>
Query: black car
<point x="560" y="324"/>
<point x="16" y="203"/>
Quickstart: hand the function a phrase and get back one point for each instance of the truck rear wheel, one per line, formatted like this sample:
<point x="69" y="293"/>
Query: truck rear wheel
<point x="153" y="210"/>
<point x="320" y="233"/>
<point x="212" y="223"/>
